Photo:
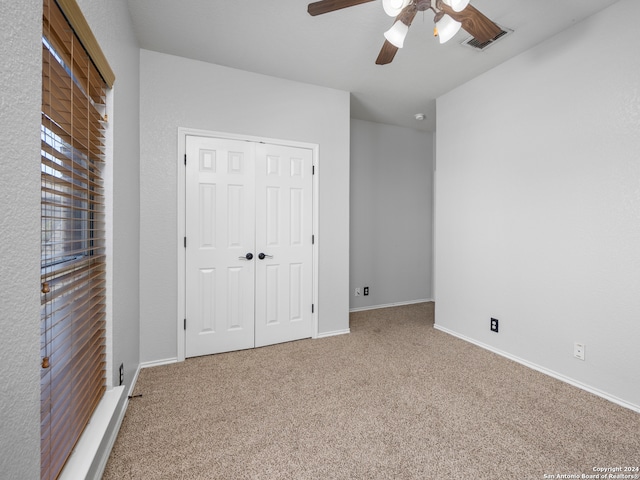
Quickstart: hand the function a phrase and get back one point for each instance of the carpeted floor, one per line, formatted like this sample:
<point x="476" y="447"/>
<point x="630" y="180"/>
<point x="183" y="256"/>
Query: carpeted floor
<point x="395" y="399"/>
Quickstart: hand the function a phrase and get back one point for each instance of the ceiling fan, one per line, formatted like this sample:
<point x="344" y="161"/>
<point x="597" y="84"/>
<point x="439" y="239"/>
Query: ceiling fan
<point x="450" y="16"/>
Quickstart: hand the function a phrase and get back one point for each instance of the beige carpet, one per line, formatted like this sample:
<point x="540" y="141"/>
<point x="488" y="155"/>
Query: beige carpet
<point x="395" y="399"/>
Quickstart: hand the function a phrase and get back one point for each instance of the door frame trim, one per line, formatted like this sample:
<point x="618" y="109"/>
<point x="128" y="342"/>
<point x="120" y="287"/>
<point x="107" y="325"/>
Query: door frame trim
<point x="181" y="220"/>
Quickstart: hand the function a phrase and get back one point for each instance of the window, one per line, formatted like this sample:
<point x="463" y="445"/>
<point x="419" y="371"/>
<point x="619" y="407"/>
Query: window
<point x="72" y="232"/>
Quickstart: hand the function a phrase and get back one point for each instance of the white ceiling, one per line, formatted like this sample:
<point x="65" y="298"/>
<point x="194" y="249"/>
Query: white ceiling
<point x="338" y="49"/>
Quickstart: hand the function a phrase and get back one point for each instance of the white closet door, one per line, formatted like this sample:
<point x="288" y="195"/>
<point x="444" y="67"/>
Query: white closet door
<point x="220" y="230"/>
<point x="249" y="257"/>
<point x="284" y="281"/>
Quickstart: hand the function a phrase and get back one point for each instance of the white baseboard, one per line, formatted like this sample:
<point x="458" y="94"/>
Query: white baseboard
<point x="134" y="381"/>
<point x="333" y="333"/>
<point x="546" y="371"/>
<point x="157" y="363"/>
<point x="387" y="305"/>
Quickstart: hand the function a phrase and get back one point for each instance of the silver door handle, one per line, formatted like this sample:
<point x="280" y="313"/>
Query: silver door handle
<point x="248" y="256"/>
<point x="262" y="256"/>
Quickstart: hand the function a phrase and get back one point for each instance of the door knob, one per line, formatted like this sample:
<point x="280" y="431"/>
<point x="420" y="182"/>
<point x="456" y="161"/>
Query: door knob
<point x="248" y="256"/>
<point x="262" y="256"/>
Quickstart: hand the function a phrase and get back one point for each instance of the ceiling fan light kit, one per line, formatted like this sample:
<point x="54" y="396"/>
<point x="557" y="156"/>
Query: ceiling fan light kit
<point x="397" y="33"/>
<point x="394" y="7"/>
<point x="446" y="28"/>
<point x="456" y="5"/>
<point x="450" y="17"/>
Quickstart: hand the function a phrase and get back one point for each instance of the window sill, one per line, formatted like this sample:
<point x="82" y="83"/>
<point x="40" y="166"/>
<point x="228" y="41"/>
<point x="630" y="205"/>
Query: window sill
<point x="90" y="455"/>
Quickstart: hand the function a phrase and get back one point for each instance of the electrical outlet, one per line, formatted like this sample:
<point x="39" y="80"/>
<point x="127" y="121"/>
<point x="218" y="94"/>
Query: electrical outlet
<point x="121" y="373"/>
<point x="494" y="325"/>
<point x="366" y="291"/>
<point x="578" y="350"/>
<point x="357" y="292"/>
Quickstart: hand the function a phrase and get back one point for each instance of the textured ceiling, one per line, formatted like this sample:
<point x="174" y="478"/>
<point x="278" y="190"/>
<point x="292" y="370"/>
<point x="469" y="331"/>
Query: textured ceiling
<point x="338" y="49"/>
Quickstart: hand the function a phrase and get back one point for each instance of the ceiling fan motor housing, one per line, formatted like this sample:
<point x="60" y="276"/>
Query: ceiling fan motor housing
<point x="422" y="5"/>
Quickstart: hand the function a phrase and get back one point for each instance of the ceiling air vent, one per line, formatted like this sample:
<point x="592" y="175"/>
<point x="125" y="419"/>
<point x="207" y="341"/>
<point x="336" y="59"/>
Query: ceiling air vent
<point x="471" y="42"/>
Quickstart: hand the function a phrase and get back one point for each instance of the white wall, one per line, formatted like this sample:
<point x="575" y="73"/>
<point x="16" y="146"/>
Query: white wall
<point x="538" y="205"/>
<point x="178" y="92"/>
<point x="391" y="214"/>
<point x="20" y="77"/>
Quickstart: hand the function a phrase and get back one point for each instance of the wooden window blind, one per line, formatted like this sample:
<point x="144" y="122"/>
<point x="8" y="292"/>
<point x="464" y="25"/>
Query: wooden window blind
<point x="72" y="235"/>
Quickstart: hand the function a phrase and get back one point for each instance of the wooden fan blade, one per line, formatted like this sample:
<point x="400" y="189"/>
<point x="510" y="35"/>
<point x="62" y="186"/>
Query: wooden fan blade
<point x="387" y="53"/>
<point x="326" y="6"/>
<point x="389" y="50"/>
<point x="474" y="22"/>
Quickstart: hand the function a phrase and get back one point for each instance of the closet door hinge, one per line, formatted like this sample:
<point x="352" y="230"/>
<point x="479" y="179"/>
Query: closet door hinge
<point x="313" y="170"/>
<point x="185" y="323"/>
<point x="185" y="242"/>
<point x="312" y="307"/>
<point x="313" y="239"/>
<point x="185" y="158"/>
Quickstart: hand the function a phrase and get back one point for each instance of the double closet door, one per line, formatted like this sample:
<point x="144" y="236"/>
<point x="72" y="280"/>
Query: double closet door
<point x="249" y="254"/>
